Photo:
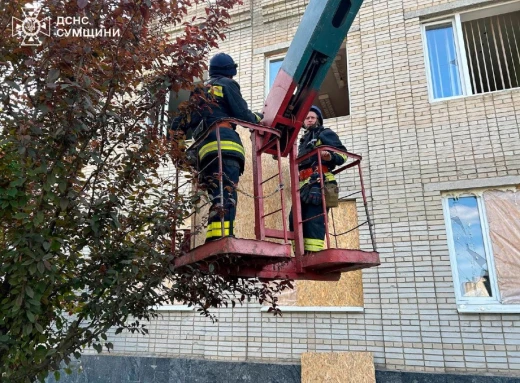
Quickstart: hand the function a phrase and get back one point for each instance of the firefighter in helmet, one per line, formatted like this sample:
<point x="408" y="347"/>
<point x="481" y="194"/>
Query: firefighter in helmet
<point x="221" y="99"/>
<point x="311" y="183"/>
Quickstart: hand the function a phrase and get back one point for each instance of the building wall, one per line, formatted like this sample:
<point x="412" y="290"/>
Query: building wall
<point x="410" y="146"/>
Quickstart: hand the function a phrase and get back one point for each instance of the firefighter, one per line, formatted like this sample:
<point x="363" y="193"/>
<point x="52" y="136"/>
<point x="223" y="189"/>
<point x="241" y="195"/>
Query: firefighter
<point x="311" y="184"/>
<point x="222" y="99"/>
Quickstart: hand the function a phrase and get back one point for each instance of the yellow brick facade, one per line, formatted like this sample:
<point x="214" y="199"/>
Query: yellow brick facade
<point x="410" y="146"/>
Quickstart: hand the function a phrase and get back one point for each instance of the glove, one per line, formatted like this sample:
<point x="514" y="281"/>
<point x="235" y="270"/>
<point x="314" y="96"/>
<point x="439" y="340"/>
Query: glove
<point x="314" y="197"/>
<point x="304" y="192"/>
<point x="311" y="191"/>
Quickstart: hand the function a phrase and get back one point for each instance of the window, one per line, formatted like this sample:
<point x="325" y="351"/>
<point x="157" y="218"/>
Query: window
<point x="162" y="116"/>
<point x="159" y="118"/>
<point x="345" y="295"/>
<point x="474" y="52"/>
<point x="273" y="66"/>
<point x="484" y="242"/>
<point x="442" y="52"/>
<point x="333" y="98"/>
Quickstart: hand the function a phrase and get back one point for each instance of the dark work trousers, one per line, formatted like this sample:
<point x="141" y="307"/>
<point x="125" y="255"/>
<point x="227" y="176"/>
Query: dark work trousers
<point x="314" y="229"/>
<point x="230" y="177"/>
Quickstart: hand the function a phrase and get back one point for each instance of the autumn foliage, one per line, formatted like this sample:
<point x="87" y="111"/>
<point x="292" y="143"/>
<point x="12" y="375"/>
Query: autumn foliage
<point x="86" y="214"/>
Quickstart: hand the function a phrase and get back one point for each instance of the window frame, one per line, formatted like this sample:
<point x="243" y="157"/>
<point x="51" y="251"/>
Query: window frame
<point x="281" y="55"/>
<point x="268" y="60"/>
<point x="475" y="304"/>
<point x="461" y="57"/>
<point x="456" y="20"/>
<point x="159" y="115"/>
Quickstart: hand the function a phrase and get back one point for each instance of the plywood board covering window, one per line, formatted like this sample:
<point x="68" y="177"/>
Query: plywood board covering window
<point x="348" y="291"/>
<point x="503" y="214"/>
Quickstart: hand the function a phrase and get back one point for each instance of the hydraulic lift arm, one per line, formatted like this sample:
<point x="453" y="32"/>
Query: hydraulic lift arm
<point x="316" y="43"/>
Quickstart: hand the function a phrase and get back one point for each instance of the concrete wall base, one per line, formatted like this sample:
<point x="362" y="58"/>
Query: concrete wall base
<point x="130" y="369"/>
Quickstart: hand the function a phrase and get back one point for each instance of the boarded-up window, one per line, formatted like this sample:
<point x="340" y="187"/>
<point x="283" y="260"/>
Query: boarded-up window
<point x="346" y="292"/>
<point x="503" y="216"/>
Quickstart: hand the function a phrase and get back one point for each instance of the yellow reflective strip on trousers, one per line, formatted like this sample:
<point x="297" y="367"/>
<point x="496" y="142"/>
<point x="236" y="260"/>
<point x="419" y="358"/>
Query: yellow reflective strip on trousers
<point x="312" y="244"/>
<point x="224" y="145"/>
<point x="217" y="233"/>
<point x="215" y="229"/>
<point x="218" y="225"/>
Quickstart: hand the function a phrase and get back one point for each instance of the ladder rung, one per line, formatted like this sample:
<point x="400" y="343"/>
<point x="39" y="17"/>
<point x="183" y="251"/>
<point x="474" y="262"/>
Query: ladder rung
<point x="275" y="233"/>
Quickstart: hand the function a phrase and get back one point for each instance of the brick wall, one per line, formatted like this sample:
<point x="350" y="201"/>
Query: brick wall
<point x="410" y="320"/>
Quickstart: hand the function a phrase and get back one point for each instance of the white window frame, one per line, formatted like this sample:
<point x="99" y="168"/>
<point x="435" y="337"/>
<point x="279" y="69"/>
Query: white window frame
<point x="475" y="304"/>
<point x="456" y="21"/>
<point x="268" y="61"/>
<point x="461" y="57"/>
<point x="163" y="125"/>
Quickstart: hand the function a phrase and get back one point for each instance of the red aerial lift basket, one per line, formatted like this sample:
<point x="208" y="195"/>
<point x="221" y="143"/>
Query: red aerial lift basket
<point x="267" y="260"/>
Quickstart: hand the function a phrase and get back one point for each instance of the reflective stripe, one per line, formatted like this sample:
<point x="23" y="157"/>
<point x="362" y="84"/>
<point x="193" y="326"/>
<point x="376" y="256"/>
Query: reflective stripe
<point x="224" y="145"/>
<point x="215" y="229"/>
<point x="217" y="233"/>
<point x="344" y="156"/>
<point x="218" y="225"/>
<point x="329" y="177"/>
<point x="312" y="244"/>
<point x="217" y="90"/>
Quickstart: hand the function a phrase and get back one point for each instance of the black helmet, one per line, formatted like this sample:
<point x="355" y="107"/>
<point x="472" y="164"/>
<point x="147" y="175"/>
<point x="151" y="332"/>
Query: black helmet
<point x="222" y="64"/>
<point x="317" y="110"/>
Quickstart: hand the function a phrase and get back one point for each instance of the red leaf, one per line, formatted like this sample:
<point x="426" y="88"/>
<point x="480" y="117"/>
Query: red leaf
<point x="145" y="13"/>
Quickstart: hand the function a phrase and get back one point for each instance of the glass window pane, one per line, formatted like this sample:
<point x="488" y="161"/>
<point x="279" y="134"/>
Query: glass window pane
<point x="442" y="54"/>
<point x="468" y="239"/>
<point x="274" y="67"/>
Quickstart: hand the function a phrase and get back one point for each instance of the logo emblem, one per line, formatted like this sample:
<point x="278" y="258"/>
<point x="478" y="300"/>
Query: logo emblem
<point x="31" y="27"/>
